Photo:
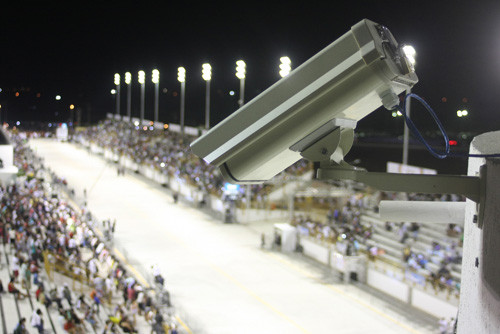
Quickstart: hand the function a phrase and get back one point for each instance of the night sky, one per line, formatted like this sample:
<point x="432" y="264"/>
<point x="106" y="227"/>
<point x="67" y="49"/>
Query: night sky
<point x="74" y="50"/>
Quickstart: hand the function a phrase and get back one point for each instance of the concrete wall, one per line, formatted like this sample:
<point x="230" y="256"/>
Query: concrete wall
<point x="388" y="285"/>
<point x="9" y="171"/>
<point x="7" y="155"/>
<point x="432" y="304"/>
<point x="313" y="249"/>
<point x="480" y="287"/>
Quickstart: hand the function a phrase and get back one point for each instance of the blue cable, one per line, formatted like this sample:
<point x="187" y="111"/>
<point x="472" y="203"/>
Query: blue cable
<point x="420" y="138"/>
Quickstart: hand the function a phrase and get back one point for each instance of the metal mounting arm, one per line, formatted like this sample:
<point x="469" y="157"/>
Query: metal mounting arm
<point x="329" y="149"/>
<point x="469" y="186"/>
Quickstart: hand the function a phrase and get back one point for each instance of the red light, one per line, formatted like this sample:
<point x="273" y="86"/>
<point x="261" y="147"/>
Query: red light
<point x="453" y="143"/>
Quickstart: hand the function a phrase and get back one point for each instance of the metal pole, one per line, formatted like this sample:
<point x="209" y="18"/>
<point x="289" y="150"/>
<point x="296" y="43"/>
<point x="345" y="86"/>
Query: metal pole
<point x="406" y="133"/>
<point x="241" y="101"/>
<point x="183" y="89"/>
<point x="156" y="102"/>
<point x="129" y="101"/>
<point x="207" y="106"/>
<point x="142" y="102"/>
<point x="118" y="99"/>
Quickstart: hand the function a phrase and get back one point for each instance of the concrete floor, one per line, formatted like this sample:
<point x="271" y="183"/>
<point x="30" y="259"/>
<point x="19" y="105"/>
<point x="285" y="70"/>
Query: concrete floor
<point x="219" y="278"/>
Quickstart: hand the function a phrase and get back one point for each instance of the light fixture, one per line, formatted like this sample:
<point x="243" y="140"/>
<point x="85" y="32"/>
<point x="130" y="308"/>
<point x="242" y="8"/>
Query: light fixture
<point x="285" y="66"/>
<point x="240" y="69"/>
<point x="206" y="72"/>
<point x="142" y="77"/>
<point x="181" y="74"/>
<point x="155" y="76"/>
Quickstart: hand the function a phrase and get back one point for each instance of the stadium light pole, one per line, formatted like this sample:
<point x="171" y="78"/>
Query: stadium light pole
<point x="285" y="66"/>
<point x="142" y="81"/>
<point x="240" y="74"/>
<point x="206" y="74"/>
<point x="128" y="81"/>
<point x="117" y="83"/>
<point x="156" y="80"/>
<point x="410" y="55"/>
<point x="181" y="77"/>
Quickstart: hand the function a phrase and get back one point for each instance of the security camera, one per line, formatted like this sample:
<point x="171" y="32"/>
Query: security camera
<point x="321" y="100"/>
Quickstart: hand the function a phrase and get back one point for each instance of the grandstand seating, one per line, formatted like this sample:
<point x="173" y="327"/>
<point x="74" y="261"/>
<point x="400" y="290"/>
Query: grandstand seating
<point x="60" y="272"/>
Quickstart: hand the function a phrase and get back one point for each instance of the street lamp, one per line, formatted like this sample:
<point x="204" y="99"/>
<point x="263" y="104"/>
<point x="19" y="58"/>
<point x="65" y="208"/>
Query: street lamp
<point x="128" y="81"/>
<point x="206" y="74"/>
<point x="181" y="77"/>
<point x="155" y="78"/>
<point x="142" y="81"/>
<point x="285" y="66"/>
<point x="240" y="74"/>
<point x="462" y="113"/>
<point x="117" y="83"/>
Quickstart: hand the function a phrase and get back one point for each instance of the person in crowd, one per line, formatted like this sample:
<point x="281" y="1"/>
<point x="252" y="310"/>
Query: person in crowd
<point x="37" y="321"/>
<point x="157" y="275"/>
<point x="21" y="327"/>
<point x="158" y="323"/>
<point x="14" y="290"/>
<point x="109" y="327"/>
<point x="42" y="297"/>
<point x="54" y="296"/>
<point x="67" y="294"/>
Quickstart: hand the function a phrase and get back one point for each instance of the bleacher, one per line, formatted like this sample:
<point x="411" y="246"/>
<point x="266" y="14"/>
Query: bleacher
<point x="14" y="308"/>
<point x="428" y="234"/>
<point x="56" y="268"/>
<point x="422" y="257"/>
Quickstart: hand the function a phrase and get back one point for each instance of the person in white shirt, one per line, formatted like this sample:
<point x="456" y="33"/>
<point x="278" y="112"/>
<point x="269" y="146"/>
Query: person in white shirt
<point x="37" y="321"/>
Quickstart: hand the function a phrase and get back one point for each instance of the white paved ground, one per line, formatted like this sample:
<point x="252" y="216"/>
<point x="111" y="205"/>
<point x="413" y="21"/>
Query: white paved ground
<point x="219" y="278"/>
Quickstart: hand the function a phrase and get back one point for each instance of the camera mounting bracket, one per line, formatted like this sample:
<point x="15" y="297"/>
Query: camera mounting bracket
<point x="330" y="150"/>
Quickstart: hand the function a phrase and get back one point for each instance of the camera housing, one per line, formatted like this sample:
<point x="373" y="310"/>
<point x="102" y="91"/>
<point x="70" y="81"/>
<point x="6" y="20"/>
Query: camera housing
<point x="355" y="75"/>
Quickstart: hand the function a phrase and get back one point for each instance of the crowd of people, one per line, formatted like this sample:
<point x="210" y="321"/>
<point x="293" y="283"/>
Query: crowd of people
<point x="168" y="152"/>
<point x="165" y="151"/>
<point x="41" y="230"/>
<point x="440" y="255"/>
<point x="342" y="227"/>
